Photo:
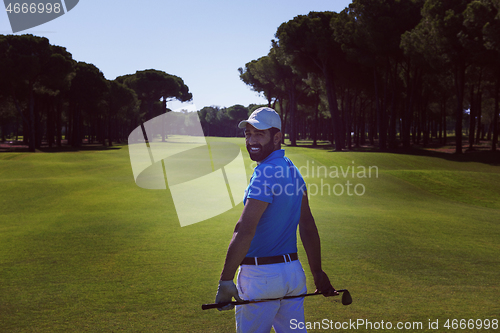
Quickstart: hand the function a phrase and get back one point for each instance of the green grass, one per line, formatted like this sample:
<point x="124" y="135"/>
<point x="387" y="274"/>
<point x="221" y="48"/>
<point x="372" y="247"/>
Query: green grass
<point x="83" y="249"/>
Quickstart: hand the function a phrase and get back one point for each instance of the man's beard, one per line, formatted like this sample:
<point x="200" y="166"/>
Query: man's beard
<point x="262" y="152"/>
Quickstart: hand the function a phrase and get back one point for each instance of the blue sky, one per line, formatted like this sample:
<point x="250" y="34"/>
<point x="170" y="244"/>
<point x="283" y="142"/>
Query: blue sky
<point x="203" y="42"/>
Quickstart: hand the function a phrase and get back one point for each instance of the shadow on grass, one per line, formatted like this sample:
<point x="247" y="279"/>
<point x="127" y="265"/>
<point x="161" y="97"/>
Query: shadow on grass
<point x="480" y="153"/>
<point x="19" y="147"/>
<point x="479" y="156"/>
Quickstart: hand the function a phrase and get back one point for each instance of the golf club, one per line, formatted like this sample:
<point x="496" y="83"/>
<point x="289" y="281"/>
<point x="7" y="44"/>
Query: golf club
<point x="346" y="300"/>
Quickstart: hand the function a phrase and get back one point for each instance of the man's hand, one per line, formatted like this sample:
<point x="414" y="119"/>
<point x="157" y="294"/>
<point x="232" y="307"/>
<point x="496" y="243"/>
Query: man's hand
<point x="323" y="285"/>
<point x="225" y="293"/>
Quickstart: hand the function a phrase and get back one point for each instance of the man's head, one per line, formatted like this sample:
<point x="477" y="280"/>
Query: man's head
<point x="262" y="133"/>
<point x="261" y="143"/>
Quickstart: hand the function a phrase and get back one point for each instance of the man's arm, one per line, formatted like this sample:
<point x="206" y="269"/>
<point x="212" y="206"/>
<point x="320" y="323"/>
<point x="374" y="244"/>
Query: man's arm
<point x="242" y="237"/>
<point x="238" y="248"/>
<point x="311" y="241"/>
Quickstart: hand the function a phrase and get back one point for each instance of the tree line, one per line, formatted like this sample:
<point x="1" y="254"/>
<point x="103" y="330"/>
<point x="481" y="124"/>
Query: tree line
<point x="45" y="94"/>
<point x="386" y="71"/>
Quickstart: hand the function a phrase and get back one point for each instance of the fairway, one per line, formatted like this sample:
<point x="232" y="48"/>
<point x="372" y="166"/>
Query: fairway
<point x="414" y="238"/>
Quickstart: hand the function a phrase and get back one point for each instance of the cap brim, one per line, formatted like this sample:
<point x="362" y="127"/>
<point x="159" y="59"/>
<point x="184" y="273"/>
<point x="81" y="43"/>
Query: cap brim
<point x="258" y="125"/>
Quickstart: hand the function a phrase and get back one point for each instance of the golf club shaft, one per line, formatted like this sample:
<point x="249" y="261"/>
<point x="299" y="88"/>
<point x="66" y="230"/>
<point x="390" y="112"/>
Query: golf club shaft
<point x="220" y="305"/>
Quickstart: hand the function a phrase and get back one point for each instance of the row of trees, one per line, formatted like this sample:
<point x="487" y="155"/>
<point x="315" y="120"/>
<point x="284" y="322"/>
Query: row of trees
<point x="45" y="92"/>
<point x="217" y="121"/>
<point x="389" y="72"/>
<point x="396" y="71"/>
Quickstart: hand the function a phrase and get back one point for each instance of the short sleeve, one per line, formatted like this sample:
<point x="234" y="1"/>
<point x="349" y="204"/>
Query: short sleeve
<point x="260" y="187"/>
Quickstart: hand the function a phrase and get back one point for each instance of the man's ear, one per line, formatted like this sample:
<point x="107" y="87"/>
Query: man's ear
<point x="277" y="138"/>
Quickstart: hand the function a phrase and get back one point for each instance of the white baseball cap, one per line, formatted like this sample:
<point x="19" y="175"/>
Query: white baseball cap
<point x="262" y="119"/>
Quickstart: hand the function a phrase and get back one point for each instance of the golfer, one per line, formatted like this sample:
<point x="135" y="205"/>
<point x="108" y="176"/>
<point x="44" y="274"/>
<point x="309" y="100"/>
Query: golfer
<point x="264" y="242"/>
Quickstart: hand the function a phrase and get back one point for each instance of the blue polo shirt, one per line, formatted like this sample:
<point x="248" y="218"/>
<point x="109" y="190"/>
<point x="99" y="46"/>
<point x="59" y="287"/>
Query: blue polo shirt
<point x="278" y="182"/>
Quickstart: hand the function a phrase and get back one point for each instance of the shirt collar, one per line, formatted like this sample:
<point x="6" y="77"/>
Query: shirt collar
<point x="275" y="154"/>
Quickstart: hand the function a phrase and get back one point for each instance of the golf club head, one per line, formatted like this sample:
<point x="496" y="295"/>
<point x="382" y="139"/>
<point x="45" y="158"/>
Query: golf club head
<point x="346" y="298"/>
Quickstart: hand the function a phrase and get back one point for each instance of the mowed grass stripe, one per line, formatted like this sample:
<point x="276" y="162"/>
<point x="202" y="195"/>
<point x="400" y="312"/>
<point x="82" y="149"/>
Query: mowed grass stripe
<point x="83" y="249"/>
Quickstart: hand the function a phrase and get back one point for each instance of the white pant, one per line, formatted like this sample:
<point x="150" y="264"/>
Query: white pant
<point x="270" y="281"/>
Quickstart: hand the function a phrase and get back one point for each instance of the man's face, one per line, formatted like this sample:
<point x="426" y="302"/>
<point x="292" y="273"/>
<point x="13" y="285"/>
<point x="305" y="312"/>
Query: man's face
<point x="259" y="143"/>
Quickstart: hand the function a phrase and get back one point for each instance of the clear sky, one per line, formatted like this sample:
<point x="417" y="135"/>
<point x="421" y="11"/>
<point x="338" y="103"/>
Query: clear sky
<point x="203" y="42"/>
